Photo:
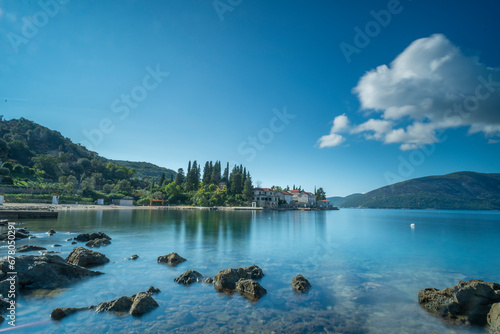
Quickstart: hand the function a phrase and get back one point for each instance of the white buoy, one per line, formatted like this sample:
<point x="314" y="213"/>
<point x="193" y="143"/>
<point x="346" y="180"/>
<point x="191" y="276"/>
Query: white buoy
<point x="412" y="225"/>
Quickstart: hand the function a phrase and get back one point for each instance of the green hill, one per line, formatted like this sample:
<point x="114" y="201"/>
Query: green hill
<point x="456" y="191"/>
<point x="146" y="169"/>
<point x="339" y="201"/>
<point x="35" y="150"/>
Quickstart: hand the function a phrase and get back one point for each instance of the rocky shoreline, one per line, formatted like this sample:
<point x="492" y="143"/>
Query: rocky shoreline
<point x="50" y="271"/>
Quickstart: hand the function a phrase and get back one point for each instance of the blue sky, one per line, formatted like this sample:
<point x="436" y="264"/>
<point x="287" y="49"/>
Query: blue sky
<point x="265" y="84"/>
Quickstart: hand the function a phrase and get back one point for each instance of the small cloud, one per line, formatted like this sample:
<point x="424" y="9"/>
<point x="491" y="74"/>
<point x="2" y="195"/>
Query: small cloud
<point x="493" y="141"/>
<point x="430" y="86"/>
<point x="331" y="140"/>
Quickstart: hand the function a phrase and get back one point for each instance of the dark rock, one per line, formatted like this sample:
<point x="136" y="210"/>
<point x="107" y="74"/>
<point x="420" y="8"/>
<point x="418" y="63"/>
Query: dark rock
<point x="208" y="280"/>
<point x="121" y="304"/>
<point x="86" y="258"/>
<point x="74" y="243"/>
<point x="44" y="272"/>
<point x="172" y="259"/>
<point x="300" y="283"/>
<point x="189" y="277"/>
<point x="23" y="230"/>
<point x="51" y="232"/>
<point x="466" y="303"/>
<point x="48" y="252"/>
<point x="226" y="280"/>
<point x="4" y="303"/>
<point x="2" y="319"/>
<point x="29" y="248"/>
<point x="69" y="239"/>
<point x="99" y="235"/>
<point x="134" y="257"/>
<point x="143" y="303"/>
<point x="152" y="290"/>
<point x="84" y="237"/>
<point x="56" y="245"/>
<point x="250" y="289"/>
<point x="94" y="243"/>
<point x="18" y="235"/>
<point x="494" y="318"/>
<point x="136" y="305"/>
<point x="62" y="312"/>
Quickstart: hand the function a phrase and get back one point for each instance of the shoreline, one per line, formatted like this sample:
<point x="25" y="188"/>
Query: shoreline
<point x="80" y="207"/>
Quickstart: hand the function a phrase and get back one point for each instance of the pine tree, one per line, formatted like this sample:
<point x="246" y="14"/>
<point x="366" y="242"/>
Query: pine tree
<point x="248" y="188"/>
<point x="216" y="173"/>
<point x="206" y="174"/>
<point x="162" y="179"/>
<point x="179" y="178"/>
<point x="226" y="175"/>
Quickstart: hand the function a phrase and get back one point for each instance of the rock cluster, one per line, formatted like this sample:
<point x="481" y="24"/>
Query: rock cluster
<point x="467" y="303"/>
<point x="42" y="272"/>
<point x="241" y="280"/>
<point x="96" y="239"/>
<point x="135" y="305"/>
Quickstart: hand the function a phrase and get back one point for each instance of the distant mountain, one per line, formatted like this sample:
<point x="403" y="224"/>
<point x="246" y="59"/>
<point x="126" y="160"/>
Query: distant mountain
<point x="456" y="191"/>
<point x="339" y="201"/>
<point x="146" y="169"/>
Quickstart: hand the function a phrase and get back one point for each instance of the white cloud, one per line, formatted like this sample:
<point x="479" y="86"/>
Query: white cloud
<point x="331" y="140"/>
<point x="430" y="86"/>
<point x="340" y="124"/>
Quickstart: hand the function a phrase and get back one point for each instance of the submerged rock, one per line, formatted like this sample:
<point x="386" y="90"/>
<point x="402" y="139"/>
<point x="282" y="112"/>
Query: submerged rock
<point x="20" y="234"/>
<point x="142" y="303"/>
<point x="225" y="280"/>
<point x="134" y="257"/>
<point x="300" y="283"/>
<point x="136" y="305"/>
<point x="86" y="258"/>
<point x="189" y="277"/>
<point x="250" y="289"/>
<point x="44" y="272"/>
<point x="94" y="243"/>
<point x="152" y="290"/>
<point x="466" y="303"/>
<point x="208" y="280"/>
<point x="493" y="318"/>
<point x="51" y="232"/>
<point x="84" y="237"/>
<point x="29" y="248"/>
<point x="172" y="259"/>
<point x="62" y="312"/>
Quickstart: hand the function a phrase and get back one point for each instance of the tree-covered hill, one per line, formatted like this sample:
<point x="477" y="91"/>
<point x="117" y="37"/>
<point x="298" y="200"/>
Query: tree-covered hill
<point x="146" y="169"/>
<point x="456" y="191"/>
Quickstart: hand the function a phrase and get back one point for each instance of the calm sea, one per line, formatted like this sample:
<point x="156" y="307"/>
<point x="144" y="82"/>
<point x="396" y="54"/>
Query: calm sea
<point x="365" y="267"/>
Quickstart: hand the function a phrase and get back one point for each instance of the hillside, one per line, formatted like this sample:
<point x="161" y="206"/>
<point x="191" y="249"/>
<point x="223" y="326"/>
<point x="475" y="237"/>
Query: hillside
<point x="339" y="201"/>
<point x="456" y="191"/>
<point x="146" y="170"/>
<point x="33" y="146"/>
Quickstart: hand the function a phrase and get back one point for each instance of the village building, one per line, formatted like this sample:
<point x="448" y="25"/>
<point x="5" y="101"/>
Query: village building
<point x="265" y="197"/>
<point x="284" y="197"/>
<point x="324" y="204"/>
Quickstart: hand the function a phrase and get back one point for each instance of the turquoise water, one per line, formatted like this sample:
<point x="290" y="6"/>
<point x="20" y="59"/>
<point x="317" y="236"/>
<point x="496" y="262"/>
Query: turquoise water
<point x="365" y="267"/>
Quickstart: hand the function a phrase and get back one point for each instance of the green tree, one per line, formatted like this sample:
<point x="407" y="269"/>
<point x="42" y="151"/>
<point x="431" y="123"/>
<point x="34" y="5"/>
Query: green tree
<point x="248" y="189"/>
<point x="48" y="164"/>
<point x="320" y="194"/>
<point x="216" y="178"/>
<point x="235" y="181"/>
<point x="162" y="180"/>
<point x="179" y="178"/>
<point x="8" y="165"/>
<point x="207" y="175"/>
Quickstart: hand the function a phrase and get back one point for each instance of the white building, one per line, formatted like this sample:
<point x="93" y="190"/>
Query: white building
<point x="285" y="196"/>
<point x="265" y="197"/>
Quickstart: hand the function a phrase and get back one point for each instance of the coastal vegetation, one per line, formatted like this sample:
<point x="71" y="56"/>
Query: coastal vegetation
<point x="37" y="162"/>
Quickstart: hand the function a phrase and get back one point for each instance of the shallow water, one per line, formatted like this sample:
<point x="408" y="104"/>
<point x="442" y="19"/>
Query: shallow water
<point x="365" y="267"/>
